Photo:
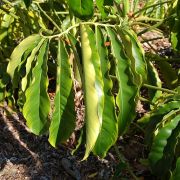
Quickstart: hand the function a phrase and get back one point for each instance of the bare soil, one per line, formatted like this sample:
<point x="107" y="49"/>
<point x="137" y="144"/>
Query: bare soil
<point x="26" y="156"/>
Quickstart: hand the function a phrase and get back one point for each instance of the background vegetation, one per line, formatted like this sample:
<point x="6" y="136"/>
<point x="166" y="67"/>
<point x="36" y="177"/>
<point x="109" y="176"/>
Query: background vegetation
<point x="97" y="45"/>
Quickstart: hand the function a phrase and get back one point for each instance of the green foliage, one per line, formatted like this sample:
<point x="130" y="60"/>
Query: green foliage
<point x="63" y="120"/>
<point x="104" y="54"/>
<point x="109" y="130"/>
<point x="174" y="25"/>
<point x="126" y="97"/>
<point x="28" y="70"/>
<point x="162" y="134"/>
<point x="176" y="172"/>
<point x="81" y="8"/>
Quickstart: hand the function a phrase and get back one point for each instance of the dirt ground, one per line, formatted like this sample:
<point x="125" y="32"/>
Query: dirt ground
<point x="26" y="156"/>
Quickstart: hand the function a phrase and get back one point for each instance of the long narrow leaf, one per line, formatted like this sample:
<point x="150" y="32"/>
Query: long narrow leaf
<point x="63" y="119"/>
<point x="30" y="59"/>
<point x="109" y="131"/>
<point x="135" y="53"/>
<point x="153" y="79"/>
<point x="15" y="59"/>
<point x="160" y="140"/>
<point x="165" y="163"/>
<point x="92" y="87"/>
<point x="37" y="105"/>
<point x="169" y="74"/>
<point x="126" y="97"/>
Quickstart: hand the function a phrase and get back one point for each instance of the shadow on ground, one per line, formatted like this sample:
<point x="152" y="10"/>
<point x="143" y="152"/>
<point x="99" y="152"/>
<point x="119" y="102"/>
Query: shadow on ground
<point x="26" y="156"/>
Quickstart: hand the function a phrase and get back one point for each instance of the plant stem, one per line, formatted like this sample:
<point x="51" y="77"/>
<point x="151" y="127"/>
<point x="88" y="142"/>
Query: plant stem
<point x="49" y="18"/>
<point x="77" y="25"/>
<point x="155" y="50"/>
<point x="151" y="6"/>
<point x="122" y="159"/>
<point x="144" y="18"/>
<point x="158" y="88"/>
<point x="155" y="57"/>
<point x="146" y="100"/>
<point x="153" y="39"/>
<point x="151" y="28"/>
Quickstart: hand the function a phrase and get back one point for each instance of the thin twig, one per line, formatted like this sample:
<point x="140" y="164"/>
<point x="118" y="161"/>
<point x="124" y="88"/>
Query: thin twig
<point x="49" y="18"/>
<point x="160" y="89"/>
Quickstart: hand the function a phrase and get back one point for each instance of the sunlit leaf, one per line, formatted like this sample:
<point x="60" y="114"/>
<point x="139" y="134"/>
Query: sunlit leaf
<point x="16" y="57"/>
<point x="109" y="131"/>
<point x="37" y="105"/>
<point x="92" y="87"/>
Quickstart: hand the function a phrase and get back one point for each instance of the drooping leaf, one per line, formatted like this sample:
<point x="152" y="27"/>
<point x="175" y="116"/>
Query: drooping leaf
<point x="63" y="119"/>
<point x="126" y="5"/>
<point x="154" y="117"/>
<point x="160" y="140"/>
<point x="169" y="74"/>
<point x="175" y="34"/>
<point x="176" y="172"/>
<point x="135" y="53"/>
<point x="93" y="89"/>
<point x="77" y="58"/>
<point x="37" y="105"/>
<point x="166" y="162"/>
<point x="16" y="56"/>
<point x="134" y="5"/>
<point x="109" y="131"/>
<point x="29" y="62"/>
<point x="82" y="9"/>
<point x="153" y="79"/>
<point x="126" y="97"/>
<point x="160" y="110"/>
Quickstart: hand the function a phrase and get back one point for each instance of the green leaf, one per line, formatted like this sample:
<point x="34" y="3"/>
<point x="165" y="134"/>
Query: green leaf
<point x="37" y="105"/>
<point x="125" y="7"/>
<point x="16" y="56"/>
<point x="154" y="117"/>
<point x="93" y="88"/>
<point x="160" y="140"/>
<point x="153" y="79"/>
<point x="77" y="60"/>
<point x="166" y="162"/>
<point x="134" y="6"/>
<point x="29" y="64"/>
<point x="169" y="74"/>
<point x="135" y="53"/>
<point x="6" y="21"/>
<point x="176" y="172"/>
<point x="101" y="4"/>
<point x="63" y="119"/>
<point x="126" y="97"/>
<point x="82" y="9"/>
<point x="109" y="130"/>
